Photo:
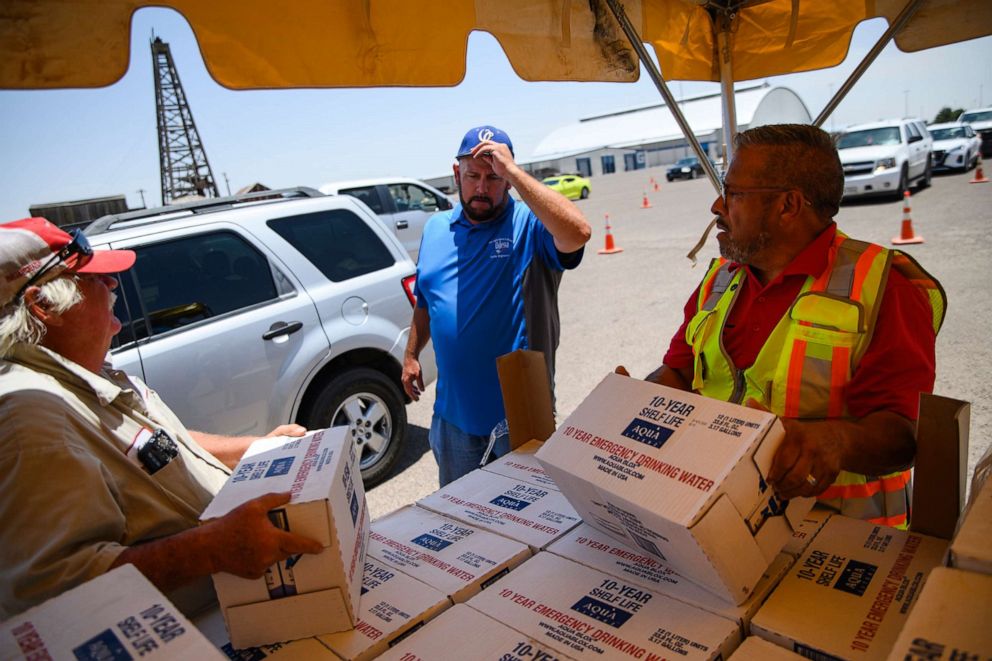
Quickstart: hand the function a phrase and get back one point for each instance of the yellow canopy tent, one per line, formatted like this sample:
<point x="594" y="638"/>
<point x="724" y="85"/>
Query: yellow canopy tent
<point x="254" y="44"/>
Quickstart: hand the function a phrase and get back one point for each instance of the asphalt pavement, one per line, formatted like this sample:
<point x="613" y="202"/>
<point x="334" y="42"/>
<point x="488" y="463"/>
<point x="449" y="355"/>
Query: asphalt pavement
<point x="622" y="309"/>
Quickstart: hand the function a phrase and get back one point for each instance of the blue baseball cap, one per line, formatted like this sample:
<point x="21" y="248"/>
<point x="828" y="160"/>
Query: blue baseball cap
<point x="480" y="133"/>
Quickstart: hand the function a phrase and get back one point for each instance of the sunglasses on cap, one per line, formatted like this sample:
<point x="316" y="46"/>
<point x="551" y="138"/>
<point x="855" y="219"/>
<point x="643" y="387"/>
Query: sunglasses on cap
<point x="79" y="246"/>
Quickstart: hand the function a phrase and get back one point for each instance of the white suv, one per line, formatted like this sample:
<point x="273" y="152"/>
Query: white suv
<point x="885" y="158"/>
<point x="251" y="311"/>
<point x="403" y="204"/>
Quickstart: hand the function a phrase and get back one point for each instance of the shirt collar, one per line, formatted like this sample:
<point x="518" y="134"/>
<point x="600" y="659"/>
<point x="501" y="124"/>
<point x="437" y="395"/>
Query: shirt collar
<point x="46" y="361"/>
<point x="811" y="260"/>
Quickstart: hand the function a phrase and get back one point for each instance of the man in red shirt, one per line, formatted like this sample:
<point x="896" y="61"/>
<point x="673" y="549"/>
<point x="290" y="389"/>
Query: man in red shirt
<point x="835" y="336"/>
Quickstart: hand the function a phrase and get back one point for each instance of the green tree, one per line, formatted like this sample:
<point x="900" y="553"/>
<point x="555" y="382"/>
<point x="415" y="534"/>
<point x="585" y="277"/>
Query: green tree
<point x="947" y="115"/>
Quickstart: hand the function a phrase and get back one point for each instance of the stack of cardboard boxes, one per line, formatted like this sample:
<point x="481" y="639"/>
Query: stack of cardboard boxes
<point x="643" y="527"/>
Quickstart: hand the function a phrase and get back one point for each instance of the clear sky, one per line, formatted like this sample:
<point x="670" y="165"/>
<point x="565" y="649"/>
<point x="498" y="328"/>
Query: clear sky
<point x="74" y="144"/>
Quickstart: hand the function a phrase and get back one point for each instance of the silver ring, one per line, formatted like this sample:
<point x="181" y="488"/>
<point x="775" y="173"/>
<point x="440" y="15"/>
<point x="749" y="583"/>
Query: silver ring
<point x="812" y="480"/>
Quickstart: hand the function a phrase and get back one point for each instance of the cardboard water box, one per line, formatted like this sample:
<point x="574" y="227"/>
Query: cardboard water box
<point x="392" y="605"/>
<point x="758" y="649"/>
<point x="522" y="464"/>
<point x="532" y="515"/>
<point x="307" y="594"/>
<point x="850" y="593"/>
<point x="951" y="619"/>
<point x="588" y="614"/>
<point x="118" y="615"/>
<point x="807" y="530"/>
<point x="211" y="624"/>
<point x="681" y="476"/>
<point x="971" y="547"/>
<point x="458" y="559"/>
<point x="595" y="549"/>
<point x="464" y="633"/>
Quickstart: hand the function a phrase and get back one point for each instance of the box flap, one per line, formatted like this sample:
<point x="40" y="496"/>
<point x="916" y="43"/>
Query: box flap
<point x="523" y="378"/>
<point x="939" y="477"/>
<point x="301" y="616"/>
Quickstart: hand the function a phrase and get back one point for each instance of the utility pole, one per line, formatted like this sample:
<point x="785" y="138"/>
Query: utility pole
<point x="227" y="183"/>
<point x="182" y="159"/>
<point x="141" y="192"/>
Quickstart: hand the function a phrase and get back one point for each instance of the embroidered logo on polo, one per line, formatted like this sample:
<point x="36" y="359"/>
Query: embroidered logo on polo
<point x="500" y="248"/>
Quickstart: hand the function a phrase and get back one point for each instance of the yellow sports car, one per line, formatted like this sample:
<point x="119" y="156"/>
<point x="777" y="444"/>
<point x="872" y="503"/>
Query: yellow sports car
<point x="572" y="186"/>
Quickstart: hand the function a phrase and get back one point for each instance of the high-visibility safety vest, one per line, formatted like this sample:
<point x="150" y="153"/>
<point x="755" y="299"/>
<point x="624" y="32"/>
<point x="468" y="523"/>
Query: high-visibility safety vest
<point x="810" y="355"/>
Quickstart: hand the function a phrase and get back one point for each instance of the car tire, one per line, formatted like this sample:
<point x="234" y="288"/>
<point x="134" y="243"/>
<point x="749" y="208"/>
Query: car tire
<point x="927" y="175"/>
<point x="903" y="182"/>
<point x="669" y="178"/>
<point x="692" y="174"/>
<point x="347" y="400"/>
<point x="584" y="193"/>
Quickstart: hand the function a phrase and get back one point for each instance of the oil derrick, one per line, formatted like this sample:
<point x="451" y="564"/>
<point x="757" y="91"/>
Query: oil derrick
<point x="182" y="159"/>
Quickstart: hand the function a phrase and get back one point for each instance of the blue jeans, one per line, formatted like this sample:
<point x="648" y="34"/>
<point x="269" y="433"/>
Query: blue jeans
<point x="458" y="453"/>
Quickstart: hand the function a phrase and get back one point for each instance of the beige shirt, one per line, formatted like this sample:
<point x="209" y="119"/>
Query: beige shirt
<point x="71" y="496"/>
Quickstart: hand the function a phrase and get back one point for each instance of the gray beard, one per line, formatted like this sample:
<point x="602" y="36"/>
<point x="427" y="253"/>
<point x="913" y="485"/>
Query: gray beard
<point x="742" y="254"/>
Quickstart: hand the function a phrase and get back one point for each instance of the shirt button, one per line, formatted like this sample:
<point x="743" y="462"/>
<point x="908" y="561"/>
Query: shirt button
<point x="761" y="299"/>
<point x="756" y="328"/>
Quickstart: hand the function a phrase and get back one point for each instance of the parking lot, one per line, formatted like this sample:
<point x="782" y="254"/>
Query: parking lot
<point x="623" y="308"/>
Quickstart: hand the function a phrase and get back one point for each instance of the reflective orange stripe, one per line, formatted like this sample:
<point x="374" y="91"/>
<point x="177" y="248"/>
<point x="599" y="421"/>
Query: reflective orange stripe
<point x="868" y="489"/>
<point x="794" y="384"/>
<point x="861" y="270"/>
<point x="840" y="359"/>
<point x="896" y="520"/>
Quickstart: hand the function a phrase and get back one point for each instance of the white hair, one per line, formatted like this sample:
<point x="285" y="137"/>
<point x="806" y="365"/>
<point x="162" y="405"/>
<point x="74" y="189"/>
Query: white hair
<point x="17" y="324"/>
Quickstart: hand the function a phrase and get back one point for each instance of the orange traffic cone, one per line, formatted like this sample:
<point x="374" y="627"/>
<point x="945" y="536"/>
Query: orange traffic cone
<point x="645" y="202"/>
<point x="610" y="248"/>
<point x="979" y="173"/>
<point x="906" y="235"/>
<point x="655" y="185"/>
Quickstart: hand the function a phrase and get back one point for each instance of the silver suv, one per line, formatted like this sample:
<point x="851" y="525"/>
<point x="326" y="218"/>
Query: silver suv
<point x="248" y="312"/>
<point x="884" y="158"/>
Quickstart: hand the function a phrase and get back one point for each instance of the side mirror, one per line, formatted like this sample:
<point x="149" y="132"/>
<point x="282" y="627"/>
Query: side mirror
<point x="915" y="138"/>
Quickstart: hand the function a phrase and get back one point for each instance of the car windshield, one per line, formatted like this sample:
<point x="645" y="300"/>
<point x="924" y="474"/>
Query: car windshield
<point x="888" y="135"/>
<point x="686" y="161"/>
<point x="982" y="116"/>
<point x="948" y="133"/>
<point x="551" y="182"/>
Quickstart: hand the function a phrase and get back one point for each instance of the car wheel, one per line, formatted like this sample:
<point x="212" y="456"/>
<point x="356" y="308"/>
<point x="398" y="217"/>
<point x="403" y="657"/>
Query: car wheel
<point x="669" y="178"/>
<point x="927" y="175"/>
<point x="370" y="405"/>
<point x="584" y="194"/>
<point x="903" y="181"/>
<point x="692" y="174"/>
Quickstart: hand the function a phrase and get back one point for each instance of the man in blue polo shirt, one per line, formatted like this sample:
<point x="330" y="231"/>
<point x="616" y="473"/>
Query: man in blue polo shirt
<point x="487" y="284"/>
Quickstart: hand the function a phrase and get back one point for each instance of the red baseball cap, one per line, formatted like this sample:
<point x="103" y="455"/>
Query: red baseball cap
<point x="28" y="245"/>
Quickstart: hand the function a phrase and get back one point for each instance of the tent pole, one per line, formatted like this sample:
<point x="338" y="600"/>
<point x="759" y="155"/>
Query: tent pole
<point x="727" y="89"/>
<point x="635" y="40"/>
<point x="883" y="41"/>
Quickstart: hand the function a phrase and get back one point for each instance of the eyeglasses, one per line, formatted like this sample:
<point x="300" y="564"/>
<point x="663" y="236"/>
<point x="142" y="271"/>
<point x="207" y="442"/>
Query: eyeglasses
<point x="731" y="191"/>
<point x="79" y="246"/>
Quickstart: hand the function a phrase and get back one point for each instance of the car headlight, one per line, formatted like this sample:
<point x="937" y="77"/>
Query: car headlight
<point x="884" y="164"/>
<point x="685" y="169"/>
